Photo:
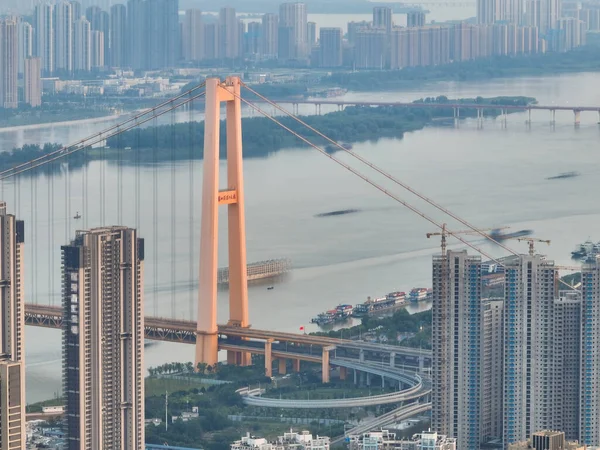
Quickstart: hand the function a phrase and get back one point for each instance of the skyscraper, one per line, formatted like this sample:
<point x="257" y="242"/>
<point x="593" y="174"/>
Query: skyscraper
<point x="382" y="18"/>
<point x="311" y="34"/>
<point x="268" y="48"/>
<point x="32" y="82"/>
<point x="252" y="42"/>
<point x="63" y="41"/>
<point x="456" y="341"/>
<point x="193" y="36"/>
<point x="118" y="36"/>
<point x="330" y="41"/>
<point x="550" y="12"/>
<point x="211" y="41"/>
<point x="136" y="34"/>
<point x="25" y="43"/>
<point x="492" y="363"/>
<point x="415" y="19"/>
<point x="100" y="21"/>
<point x="12" y="327"/>
<point x="228" y="34"/>
<point x="293" y="28"/>
<point x="9" y="63"/>
<point x="566" y="363"/>
<point x="589" y="433"/>
<point x="162" y="33"/>
<point x="529" y="298"/>
<point x="44" y="35"/>
<point x="103" y="339"/>
<point x="97" y="49"/>
<point x="83" y="42"/>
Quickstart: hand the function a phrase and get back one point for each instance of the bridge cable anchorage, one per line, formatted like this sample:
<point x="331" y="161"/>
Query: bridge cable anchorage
<point x="387" y="175"/>
<point x="369" y="181"/>
<point x="108" y="132"/>
<point x="80" y="145"/>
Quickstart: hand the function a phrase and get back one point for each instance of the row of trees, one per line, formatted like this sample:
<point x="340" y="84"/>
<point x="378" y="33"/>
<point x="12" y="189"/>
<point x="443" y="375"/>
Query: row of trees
<point x="183" y="368"/>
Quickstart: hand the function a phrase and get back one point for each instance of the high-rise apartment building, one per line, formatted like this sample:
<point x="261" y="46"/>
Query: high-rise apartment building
<point x="162" y="36"/>
<point x="456" y="341"/>
<point x="293" y="31"/>
<point x="228" y="34"/>
<point x="100" y="21"/>
<point x="97" y="49"/>
<point x="530" y="292"/>
<point x="32" y="82"/>
<point x="136" y="34"/>
<point x="415" y="19"/>
<point x="311" y="34"/>
<point x="12" y="405"/>
<point x="589" y="433"/>
<point x="9" y="63"/>
<point x="103" y="339"/>
<point x="268" y="47"/>
<point x="253" y="39"/>
<point x="383" y="18"/>
<point x="44" y="35"/>
<point x="118" y="36"/>
<point x="83" y="45"/>
<point x="492" y="364"/>
<point x="549" y="13"/>
<point x="565" y="363"/>
<point x="12" y="328"/>
<point x="370" y="48"/>
<point x="330" y="47"/>
<point x="192" y="36"/>
<point x="63" y="36"/>
<point x="25" y="43"/>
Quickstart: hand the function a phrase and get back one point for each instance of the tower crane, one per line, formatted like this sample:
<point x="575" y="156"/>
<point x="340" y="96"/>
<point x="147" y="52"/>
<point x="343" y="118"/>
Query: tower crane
<point x="444" y="233"/>
<point x="531" y="243"/>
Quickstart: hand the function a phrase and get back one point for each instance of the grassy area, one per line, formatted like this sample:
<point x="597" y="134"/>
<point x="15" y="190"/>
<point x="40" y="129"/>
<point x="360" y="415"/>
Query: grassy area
<point x="158" y="386"/>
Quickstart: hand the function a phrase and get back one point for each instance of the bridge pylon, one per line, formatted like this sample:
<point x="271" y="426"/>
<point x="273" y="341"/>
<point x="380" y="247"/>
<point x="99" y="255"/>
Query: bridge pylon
<point x="207" y="344"/>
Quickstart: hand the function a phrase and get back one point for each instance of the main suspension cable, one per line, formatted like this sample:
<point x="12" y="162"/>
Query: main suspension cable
<point x="382" y="172"/>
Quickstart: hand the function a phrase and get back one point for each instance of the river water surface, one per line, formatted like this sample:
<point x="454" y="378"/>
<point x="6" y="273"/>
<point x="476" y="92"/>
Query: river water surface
<point x="492" y="176"/>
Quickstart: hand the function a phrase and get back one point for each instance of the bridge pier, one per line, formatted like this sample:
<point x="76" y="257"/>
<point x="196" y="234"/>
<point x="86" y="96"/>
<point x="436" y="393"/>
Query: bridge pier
<point x="295" y="109"/>
<point x="361" y="355"/>
<point x="529" y="116"/>
<point x="325" y="363"/>
<point x="343" y="373"/>
<point x="577" y="115"/>
<point x="479" y="117"/>
<point x="421" y="364"/>
<point x="268" y="358"/>
<point x="355" y="377"/>
<point x="392" y="359"/>
<point x="368" y="379"/>
<point x="296" y="365"/>
<point x="382" y="381"/>
<point x="504" y="118"/>
<point x="553" y="112"/>
<point x="282" y="366"/>
<point x="599" y="116"/>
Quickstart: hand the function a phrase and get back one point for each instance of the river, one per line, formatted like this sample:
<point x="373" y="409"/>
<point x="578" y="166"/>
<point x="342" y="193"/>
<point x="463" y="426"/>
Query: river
<point x="492" y="176"/>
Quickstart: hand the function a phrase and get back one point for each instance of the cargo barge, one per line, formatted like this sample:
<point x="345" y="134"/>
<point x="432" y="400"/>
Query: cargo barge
<point x="259" y="270"/>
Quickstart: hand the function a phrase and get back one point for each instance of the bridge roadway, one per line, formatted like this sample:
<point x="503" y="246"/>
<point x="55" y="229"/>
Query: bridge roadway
<point x="402" y="413"/>
<point x="184" y="331"/>
<point x="419" y="387"/>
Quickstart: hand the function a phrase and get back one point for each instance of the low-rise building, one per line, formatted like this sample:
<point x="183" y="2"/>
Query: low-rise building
<point x="289" y="441"/>
<point x="386" y="440"/>
<point x="547" y="440"/>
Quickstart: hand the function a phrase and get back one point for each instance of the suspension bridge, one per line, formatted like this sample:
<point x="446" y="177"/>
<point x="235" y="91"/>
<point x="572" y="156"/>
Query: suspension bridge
<point x="81" y="184"/>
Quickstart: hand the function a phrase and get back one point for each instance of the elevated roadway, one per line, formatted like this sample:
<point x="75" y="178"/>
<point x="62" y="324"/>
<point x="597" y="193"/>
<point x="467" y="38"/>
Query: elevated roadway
<point x="184" y="331"/>
<point x="402" y="413"/>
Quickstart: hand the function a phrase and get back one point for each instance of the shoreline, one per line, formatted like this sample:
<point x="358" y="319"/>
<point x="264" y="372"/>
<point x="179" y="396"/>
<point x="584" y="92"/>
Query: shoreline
<point x="66" y="123"/>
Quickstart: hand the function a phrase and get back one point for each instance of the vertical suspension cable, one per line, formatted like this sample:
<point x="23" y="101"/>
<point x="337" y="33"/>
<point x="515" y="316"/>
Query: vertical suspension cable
<point x="191" y="208"/>
<point x="67" y="198"/>
<point x="137" y="180"/>
<point x="32" y="237"/>
<point x="102" y="186"/>
<point x="85" y="187"/>
<point x="34" y="241"/>
<point x="155" y="219"/>
<point x="119" y="179"/>
<point x="173" y="215"/>
<point x="51" y="247"/>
